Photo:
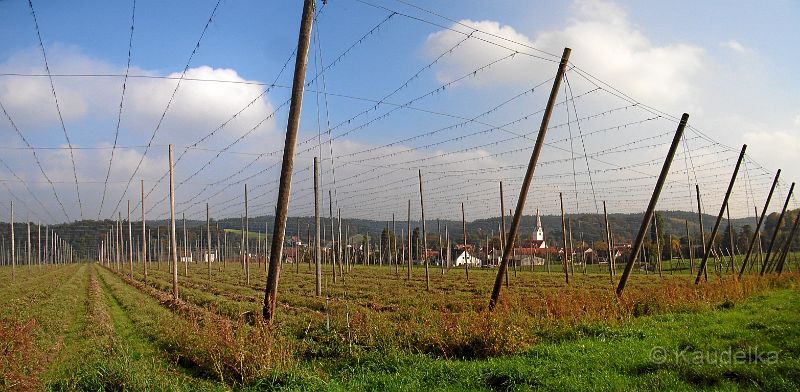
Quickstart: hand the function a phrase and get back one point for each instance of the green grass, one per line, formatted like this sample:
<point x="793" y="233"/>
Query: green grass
<point x="95" y="331"/>
<point x="588" y="357"/>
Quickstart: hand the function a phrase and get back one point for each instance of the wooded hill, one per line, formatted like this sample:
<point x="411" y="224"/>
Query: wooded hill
<point x="85" y="235"/>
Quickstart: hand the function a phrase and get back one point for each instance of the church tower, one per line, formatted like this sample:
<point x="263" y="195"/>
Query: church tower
<point x="539" y="230"/>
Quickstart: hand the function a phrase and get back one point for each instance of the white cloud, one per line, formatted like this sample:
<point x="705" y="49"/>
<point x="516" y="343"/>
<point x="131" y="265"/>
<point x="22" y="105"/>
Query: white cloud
<point x="603" y="41"/>
<point x="737" y="47"/>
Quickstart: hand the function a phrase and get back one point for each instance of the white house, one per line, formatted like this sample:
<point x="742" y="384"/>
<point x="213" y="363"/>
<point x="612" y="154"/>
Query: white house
<point x="466" y="257"/>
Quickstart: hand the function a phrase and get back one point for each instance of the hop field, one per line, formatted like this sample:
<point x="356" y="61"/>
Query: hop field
<point x="84" y="326"/>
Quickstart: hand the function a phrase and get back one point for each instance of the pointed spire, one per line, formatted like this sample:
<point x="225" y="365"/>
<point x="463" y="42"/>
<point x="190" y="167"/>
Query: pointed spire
<point x="538" y="220"/>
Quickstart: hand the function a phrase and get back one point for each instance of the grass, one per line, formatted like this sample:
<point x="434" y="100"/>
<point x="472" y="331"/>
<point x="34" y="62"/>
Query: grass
<point x="83" y="326"/>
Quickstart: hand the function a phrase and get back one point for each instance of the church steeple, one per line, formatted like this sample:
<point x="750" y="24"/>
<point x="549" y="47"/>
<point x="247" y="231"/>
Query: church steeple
<point x="539" y="229"/>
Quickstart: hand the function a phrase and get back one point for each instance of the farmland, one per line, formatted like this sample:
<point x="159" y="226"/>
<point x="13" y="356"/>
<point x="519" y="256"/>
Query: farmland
<point x="84" y="326"/>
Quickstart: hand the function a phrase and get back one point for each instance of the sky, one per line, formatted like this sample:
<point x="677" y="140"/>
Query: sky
<point x="451" y="89"/>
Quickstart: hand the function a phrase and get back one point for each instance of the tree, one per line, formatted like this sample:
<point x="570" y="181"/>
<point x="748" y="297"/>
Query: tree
<point x="726" y="238"/>
<point x="415" y="244"/>
<point x="744" y="237"/>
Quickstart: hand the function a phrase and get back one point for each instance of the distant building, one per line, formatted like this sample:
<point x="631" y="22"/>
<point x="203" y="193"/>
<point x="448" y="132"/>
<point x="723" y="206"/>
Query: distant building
<point x="466" y="257"/>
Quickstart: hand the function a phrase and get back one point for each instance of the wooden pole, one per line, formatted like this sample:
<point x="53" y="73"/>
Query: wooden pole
<point x="732" y="241"/>
<point x="173" y="237"/>
<point x="565" y="258"/>
<point x="767" y="263"/>
<point x="782" y="260"/>
<point x="410" y="249"/>
<point x="464" y="225"/>
<point x="208" y="249"/>
<point x="284" y="190"/>
<point x="144" y="237"/>
<point x="503" y="228"/>
<point x="317" y="245"/>
<point x="610" y="247"/>
<point x="637" y="245"/>
<point x="758" y="225"/>
<point x="424" y="237"/>
<point x="526" y="183"/>
<point x="130" y="240"/>
<point x="333" y="235"/>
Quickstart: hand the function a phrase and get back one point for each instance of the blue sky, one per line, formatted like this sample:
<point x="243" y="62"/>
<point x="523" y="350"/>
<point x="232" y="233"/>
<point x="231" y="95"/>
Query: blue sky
<point x="729" y="64"/>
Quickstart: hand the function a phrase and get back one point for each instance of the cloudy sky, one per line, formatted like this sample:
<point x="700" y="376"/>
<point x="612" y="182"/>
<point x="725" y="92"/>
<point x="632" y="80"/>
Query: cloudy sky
<point x="452" y="88"/>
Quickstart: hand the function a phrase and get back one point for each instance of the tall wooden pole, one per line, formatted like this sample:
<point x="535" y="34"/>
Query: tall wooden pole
<point x="396" y="260"/>
<point x="39" y="243"/>
<point x="565" y="259"/>
<point x="526" y="183"/>
<point x="732" y="241"/>
<point x="130" y="240"/>
<point x="610" y="247"/>
<point x="410" y="248"/>
<point x="637" y="245"/>
<point x="333" y="235"/>
<point x="208" y="249"/>
<point x="702" y="232"/>
<point x="317" y="244"/>
<point x="719" y="216"/>
<point x="246" y="239"/>
<point x="767" y="263"/>
<point x="13" y="252"/>
<point x="173" y="234"/>
<point x="284" y="190"/>
<point x="464" y="227"/>
<point x="758" y="225"/>
<point x="144" y="237"/>
<point x="424" y="235"/>
<point x="782" y="260"/>
<point x="186" y="251"/>
<point x="28" y="252"/>
<point x="503" y="228"/>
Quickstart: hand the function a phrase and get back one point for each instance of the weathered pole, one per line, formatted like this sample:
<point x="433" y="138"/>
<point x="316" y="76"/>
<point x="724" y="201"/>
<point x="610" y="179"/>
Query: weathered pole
<point x="410" y="248"/>
<point x="118" y="238"/>
<point x="702" y="232"/>
<point x="564" y="234"/>
<point x="208" y="252"/>
<point x="144" y="237"/>
<point x="719" y="216"/>
<point x="732" y="241"/>
<point x="526" y="183"/>
<point x="317" y="245"/>
<point x="396" y="260"/>
<point x="758" y="225"/>
<point x="246" y="239"/>
<point x="339" y="243"/>
<point x="279" y="228"/>
<point x="186" y="251"/>
<point x="28" y="253"/>
<point x="503" y="228"/>
<point x="610" y="248"/>
<point x="39" y="243"/>
<point x="690" y="249"/>
<point x="637" y="245"/>
<point x="130" y="240"/>
<point x="173" y="234"/>
<point x="782" y="260"/>
<point x="464" y="225"/>
<point x="766" y="263"/>
<point x="333" y="235"/>
<point x="424" y="237"/>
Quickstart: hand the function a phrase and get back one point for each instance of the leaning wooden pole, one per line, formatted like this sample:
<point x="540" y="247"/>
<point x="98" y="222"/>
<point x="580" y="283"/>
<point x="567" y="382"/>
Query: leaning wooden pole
<point x="284" y="190"/>
<point x="706" y="250"/>
<point x="766" y="263"/>
<point x="503" y="228"/>
<point x="719" y="216"/>
<point x="758" y="225"/>
<point x="424" y="235"/>
<point x="785" y="252"/>
<point x="651" y="207"/>
<point x="526" y="183"/>
<point x="608" y="242"/>
<point x="172" y="235"/>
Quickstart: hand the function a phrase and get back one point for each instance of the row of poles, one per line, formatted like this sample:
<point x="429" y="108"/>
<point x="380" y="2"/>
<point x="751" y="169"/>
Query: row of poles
<point x="108" y="252"/>
<point x="53" y="250"/>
